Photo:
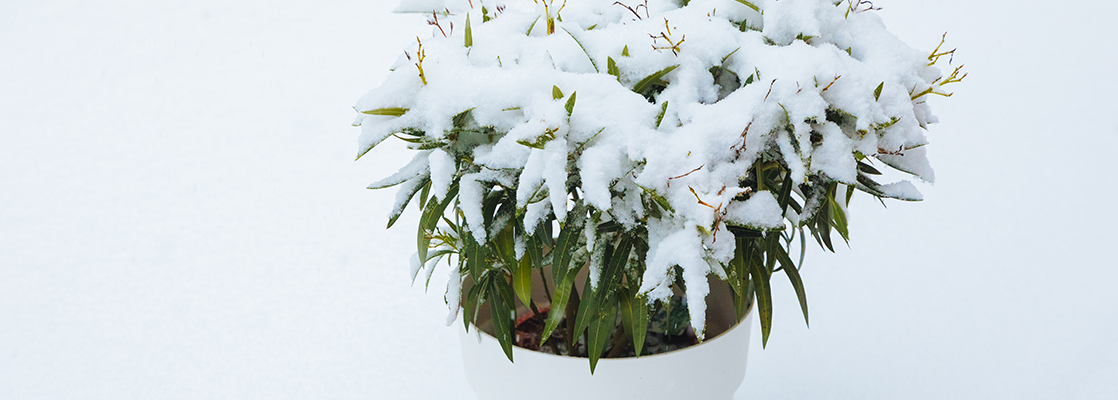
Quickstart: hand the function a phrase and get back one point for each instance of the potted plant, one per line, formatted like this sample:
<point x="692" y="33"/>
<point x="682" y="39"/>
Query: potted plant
<point x="632" y="157"/>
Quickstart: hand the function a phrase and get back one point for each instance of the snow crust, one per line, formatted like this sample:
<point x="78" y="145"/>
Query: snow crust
<point x="784" y="73"/>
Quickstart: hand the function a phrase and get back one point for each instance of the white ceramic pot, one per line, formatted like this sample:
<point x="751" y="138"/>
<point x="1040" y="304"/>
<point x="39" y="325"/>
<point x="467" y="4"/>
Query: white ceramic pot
<point x="712" y="370"/>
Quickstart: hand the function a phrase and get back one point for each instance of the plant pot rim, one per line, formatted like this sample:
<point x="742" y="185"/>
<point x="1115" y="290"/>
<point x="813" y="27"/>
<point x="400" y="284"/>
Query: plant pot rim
<point x="720" y="335"/>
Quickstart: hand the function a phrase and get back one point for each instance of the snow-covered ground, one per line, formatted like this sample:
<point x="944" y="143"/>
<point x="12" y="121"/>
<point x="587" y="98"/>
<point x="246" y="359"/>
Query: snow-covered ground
<point x="180" y="216"/>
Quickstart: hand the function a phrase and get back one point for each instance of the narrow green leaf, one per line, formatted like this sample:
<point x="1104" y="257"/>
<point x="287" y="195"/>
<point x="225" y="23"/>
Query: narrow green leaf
<point x="587" y="308"/>
<point x="731" y="53"/>
<point x="583" y="49"/>
<point x="469" y="32"/>
<point x="611" y="68"/>
<point x="615" y="267"/>
<point x="824" y="227"/>
<point x="503" y="319"/>
<point x="663" y="110"/>
<point x="522" y="280"/>
<point x="877" y="92"/>
<point x="634" y="314"/>
<point x="530" y="27"/>
<point x="539" y="142"/>
<point x="743" y="252"/>
<point x="425" y="186"/>
<point x="470" y="306"/>
<point x="797" y="282"/>
<point x="750" y="5"/>
<point x="423" y="195"/>
<point x="625" y="51"/>
<point x="869" y="169"/>
<point x="608" y="281"/>
<point x="430" y="218"/>
<point x="570" y="106"/>
<point x="646" y="84"/>
<point x="535" y="247"/>
<point x="389" y="111"/>
<point x="505" y="243"/>
<point x="561" y="270"/>
<point x="760" y="282"/>
<point x="475" y="255"/>
<point x="556" y="93"/>
<point x="600" y="331"/>
<point x="839" y="219"/>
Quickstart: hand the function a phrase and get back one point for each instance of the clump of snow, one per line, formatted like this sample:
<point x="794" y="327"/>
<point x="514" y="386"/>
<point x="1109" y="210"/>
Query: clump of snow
<point x="585" y="115"/>
<point x="761" y="211"/>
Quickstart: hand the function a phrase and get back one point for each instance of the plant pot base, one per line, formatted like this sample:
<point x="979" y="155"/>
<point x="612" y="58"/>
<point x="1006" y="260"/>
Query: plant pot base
<point x="711" y="370"/>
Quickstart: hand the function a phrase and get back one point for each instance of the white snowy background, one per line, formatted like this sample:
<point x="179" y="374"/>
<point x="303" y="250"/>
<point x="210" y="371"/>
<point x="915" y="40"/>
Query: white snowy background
<point x="180" y="216"/>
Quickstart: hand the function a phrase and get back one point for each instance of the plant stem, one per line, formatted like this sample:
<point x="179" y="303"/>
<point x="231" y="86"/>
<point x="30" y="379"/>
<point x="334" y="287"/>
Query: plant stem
<point x="546" y="291"/>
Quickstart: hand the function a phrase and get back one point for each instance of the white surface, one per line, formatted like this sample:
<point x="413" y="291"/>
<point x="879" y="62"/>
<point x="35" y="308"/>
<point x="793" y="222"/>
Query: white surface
<point x="180" y="218"/>
<point x="710" y="371"/>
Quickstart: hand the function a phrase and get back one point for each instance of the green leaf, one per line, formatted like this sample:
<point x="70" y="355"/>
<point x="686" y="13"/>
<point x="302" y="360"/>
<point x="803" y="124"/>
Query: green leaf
<point x="794" y="276"/>
<point x="615" y="267"/>
<point x="505" y="243"/>
<point x="503" y="319"/>
<point x="731" y="54"/>
<point x="539" y="142"/>
<point x="561" y="270"/>
<point x="743" y="253"/>
<point x="645" y="84"/>
<point x="608" y="281"/>
<point x="785" y="194"/>
<point x="634" y="317"/>
<point x="530" y="27"/>
<point x="743" y="232"/>
<point x="470" y="305"/>
<point x="429" y="219"/>
<point x="611" y="68"/>
<point x="660" y="200"/>
<point x="535" y="247"/>
<point x="663" y="110"/>
<point x="877" y="92"/>
<point x="869" y="169"/>
<point x="469" y="32"/>
<point x="839" y="220"/>
<point x="583" y="49"/>
<point x="475" y="255"/>
<point x="425" y="186"/>
<point x="389" y="111"/>
<point x="423" y="195"/>
<point x="625" y="51"/>
<point x="760" y="282"/>
<point x="824" y="227"/>
<point x="556" y="94"/>
<point x="600" y="331"/>
<point x="522" y="279"/>
<point x="570" y="106"/>
<point x="750" y="5"/>
<point x="587" y="308"/>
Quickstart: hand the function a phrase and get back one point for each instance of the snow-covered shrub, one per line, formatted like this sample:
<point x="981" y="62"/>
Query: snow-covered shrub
<point x="665" y="140"/>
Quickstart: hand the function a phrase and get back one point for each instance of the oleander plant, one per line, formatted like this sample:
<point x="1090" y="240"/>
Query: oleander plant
<point x="649" y="143"/>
